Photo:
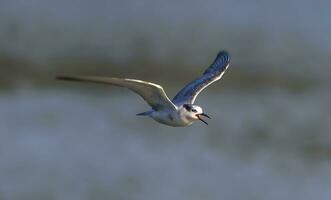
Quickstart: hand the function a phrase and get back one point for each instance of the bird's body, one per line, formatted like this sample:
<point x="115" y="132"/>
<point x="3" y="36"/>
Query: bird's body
<point x="180" y="111"/>
<point x="171" y="117"/>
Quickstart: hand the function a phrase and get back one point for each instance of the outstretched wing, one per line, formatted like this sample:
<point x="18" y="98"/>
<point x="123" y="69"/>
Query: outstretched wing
<point x="152" y="93"/>
<point x="189" y="93"/>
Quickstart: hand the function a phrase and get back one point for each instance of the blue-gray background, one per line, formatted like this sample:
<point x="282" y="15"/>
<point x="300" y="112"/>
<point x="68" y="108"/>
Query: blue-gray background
<point x="270" y="133"/>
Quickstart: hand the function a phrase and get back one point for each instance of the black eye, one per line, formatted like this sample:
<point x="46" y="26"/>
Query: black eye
<point x="187" y="107"/>
<point x="194" y="110"/>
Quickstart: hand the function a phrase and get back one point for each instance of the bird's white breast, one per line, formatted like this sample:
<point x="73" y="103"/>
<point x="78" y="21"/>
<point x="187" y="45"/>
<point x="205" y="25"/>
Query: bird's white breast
<point x="170" y="117"/>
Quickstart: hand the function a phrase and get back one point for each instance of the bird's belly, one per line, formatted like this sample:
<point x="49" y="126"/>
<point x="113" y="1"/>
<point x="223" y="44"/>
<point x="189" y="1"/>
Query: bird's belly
<point x="171" y="119"/>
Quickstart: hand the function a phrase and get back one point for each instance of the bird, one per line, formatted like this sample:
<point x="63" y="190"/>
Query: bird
<point x="181" y="111"/>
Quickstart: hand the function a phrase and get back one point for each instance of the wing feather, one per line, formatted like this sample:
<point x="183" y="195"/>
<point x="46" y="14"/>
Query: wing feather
<point x="213" y="73"/>
<point x="152" y="93"/>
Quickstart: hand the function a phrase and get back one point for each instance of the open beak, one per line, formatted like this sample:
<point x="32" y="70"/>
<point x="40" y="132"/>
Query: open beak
<point x="203" y="114"/>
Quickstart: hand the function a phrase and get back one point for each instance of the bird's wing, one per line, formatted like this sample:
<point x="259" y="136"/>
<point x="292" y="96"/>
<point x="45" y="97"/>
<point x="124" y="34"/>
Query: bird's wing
<point x="152" y="93"/>
<point x="189" y="93"/>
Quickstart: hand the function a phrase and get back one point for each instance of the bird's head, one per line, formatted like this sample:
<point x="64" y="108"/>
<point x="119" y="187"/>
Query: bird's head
<point x="194" y="112"/>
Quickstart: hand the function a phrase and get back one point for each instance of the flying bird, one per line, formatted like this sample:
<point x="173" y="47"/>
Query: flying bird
<point x="181" y="110"/>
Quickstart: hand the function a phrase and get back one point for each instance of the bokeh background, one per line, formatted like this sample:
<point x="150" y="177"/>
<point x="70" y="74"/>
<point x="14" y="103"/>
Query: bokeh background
<point x="270" y="133"/>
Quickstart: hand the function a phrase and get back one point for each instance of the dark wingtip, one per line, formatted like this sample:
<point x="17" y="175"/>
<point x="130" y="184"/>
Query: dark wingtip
<point x="66" y="78"/>
<point x="220" y="63"/>
<point x="225" y="55"/>
<point x="223" y="52"/>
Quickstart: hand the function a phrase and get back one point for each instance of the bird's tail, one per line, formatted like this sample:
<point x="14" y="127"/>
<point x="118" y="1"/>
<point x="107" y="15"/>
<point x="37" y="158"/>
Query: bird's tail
<point x="147" y="113"/>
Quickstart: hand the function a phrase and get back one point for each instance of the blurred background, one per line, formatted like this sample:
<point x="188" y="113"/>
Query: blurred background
<point x="269" y="137"/>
